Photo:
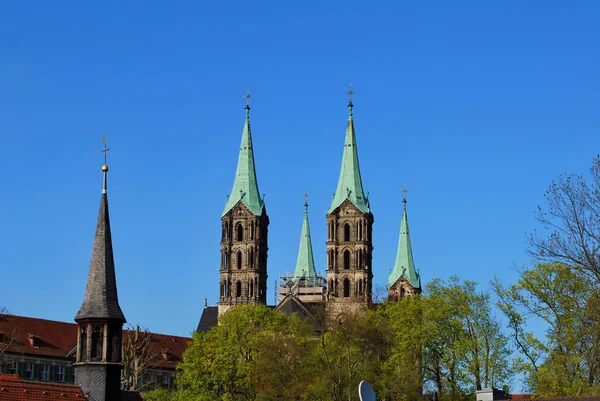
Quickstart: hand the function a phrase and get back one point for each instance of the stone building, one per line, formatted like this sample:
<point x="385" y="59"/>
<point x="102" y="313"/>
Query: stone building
<point x="348" y="282"/>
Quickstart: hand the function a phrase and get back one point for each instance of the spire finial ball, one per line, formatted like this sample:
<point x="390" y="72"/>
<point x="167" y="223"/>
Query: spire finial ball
<point x="105" y="168"/>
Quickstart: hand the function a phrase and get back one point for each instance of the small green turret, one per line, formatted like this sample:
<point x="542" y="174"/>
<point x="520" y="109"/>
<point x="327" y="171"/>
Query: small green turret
<point x="404" y="265"/>
<point x="305" y="265"/>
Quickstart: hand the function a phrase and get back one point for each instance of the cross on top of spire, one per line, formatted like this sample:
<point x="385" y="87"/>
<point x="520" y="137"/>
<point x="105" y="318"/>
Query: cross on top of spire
<point x="105" y="150"/>
<point x="404" y="192"/>
<point x="350" y="93"/>
<point x="306" y="195"/>
<point x="247" y="96"/>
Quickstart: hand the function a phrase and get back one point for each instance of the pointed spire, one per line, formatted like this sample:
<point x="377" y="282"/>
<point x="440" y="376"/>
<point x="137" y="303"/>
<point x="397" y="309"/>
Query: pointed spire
<point x="305" y="265"/>
<point x="101" y="300"/>
<point x="245" y="185"/>
<point x="404" y="265"/>
<point x="350" y="183"/>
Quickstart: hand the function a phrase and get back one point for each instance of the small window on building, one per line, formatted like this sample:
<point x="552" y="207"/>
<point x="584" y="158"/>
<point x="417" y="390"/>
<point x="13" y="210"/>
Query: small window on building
<point x="240" y="233"/>
<point x="251" y="258"/>
<point x="28" y="372"/>
<point x="238" y="289"/>
<point x="347" y="232"/>
<point x="239" y="260"/>
<point x="45" y="373"/>
<point x="60" y="373"/>
<point x="13" y="368"/>
<point x="346" y="260"/>
<point x="346" y="285"/>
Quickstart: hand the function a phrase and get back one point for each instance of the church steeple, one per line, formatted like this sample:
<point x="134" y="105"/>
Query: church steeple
<point x="245" y="185"/>
<point x="349" y="240"/>
<point x="350" y="183"/>
<point x="100" y="319"/>
<point x="404" y="279"/>
<point x="244" y="235"/>
<point x="101" y="300"/>
<point x="305" y="265"/>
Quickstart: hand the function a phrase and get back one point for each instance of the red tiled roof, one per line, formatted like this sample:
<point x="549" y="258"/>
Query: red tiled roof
<point x="57" y="339"/>
<point x="14" y="389"/>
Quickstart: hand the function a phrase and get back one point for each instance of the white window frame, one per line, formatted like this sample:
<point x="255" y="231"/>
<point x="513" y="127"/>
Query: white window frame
<point x="60" y="373"/>
<point x="29" y="370"/>
<point x="45" y="372"/>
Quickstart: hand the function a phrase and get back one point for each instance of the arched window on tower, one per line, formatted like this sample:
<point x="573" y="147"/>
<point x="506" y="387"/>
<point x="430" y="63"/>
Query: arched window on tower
<point x="222" y="289"/>
<point x="240" y="233"/>
<point x="251" y="288"/>
<point x="347" y="232"/>
<point x="239" y="259"/>
<point x="97" y="338"/>
<point x="251" y="230"/>
<point x="346" y="289"/>
<point x="251" y="258"/>
<point x="83" y="344"/>
<point x="225" y="259"/>
<point x="346" y="260"/>
<point x="238" y="289"/>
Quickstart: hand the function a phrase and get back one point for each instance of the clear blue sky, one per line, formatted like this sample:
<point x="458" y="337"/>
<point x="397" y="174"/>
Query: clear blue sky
<point x="475" y="106"/>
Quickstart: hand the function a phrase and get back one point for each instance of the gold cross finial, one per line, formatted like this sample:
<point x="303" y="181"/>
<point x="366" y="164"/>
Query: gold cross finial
<point x="247" y="96"/>
<point x="105" y="151"/>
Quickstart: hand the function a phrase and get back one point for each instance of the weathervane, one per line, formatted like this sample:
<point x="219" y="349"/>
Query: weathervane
<point x="350" y="93"/>
<point x="306" y="195"/>
<point x="247" y="96"/>
<point x="404" y="191"/>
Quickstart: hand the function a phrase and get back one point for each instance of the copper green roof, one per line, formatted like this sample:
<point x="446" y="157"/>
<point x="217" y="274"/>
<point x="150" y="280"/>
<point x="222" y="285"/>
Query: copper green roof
<point x="245" y="186"/>
<point x="350" y="184"/>
<point x="404" y="265"/>
<point x="305" y="266"/>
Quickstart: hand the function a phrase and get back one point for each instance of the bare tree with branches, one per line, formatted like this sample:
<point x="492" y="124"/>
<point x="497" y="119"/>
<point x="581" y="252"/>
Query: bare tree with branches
<point x="8" y="337"/>
<point x="573" y="219"/>
<point x="137" y="358"/>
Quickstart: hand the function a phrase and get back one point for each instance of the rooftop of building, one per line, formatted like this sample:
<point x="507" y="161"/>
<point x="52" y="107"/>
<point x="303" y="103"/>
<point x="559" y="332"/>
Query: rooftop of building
<point x="12" y="388"/>
<point x="49" y="338"/>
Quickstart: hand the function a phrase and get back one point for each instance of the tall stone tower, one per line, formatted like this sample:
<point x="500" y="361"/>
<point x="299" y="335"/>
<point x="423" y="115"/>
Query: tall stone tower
<point x="349" y="240"/>
<point x="245" y="223"/>
<point x="404" y="279"/>
<point x="100" y="319"/>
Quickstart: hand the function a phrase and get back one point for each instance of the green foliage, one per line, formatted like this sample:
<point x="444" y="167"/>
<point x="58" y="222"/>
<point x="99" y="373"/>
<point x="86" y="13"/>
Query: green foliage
<point x="567" y="361"/>
<point x="229" y="360"/>
<point x="159" y="394"/>
<point x="464" y="347"/>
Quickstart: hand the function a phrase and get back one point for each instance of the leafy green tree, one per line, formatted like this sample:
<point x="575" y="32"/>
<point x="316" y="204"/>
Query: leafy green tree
<point x="567" y="361"/>
<point x="225" y="363"/>
<point x="465" y="347"/>
<point x="352" y="349"/>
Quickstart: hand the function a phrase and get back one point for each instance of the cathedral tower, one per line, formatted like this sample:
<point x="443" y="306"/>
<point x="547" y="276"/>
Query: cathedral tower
<point x="243" y="273"/>
<point x="349" y="240"/>
<point x="100" y="319"/>
<point x="404" y="279"/>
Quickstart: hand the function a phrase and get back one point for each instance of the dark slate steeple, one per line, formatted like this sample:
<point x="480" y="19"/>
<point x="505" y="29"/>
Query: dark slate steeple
<point x="100" y="319"/>
<point x="101" y="300"/>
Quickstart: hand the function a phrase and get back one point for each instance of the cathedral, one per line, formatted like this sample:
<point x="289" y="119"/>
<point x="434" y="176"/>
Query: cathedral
<point x="348" y="282"/>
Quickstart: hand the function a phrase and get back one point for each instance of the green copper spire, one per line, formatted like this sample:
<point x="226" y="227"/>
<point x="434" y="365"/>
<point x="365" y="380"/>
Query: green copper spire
<point x="350" y="184"/>
<point x="305" y="266"/>
<point x="245" y="186"/>
<point x="404" y="265"/>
